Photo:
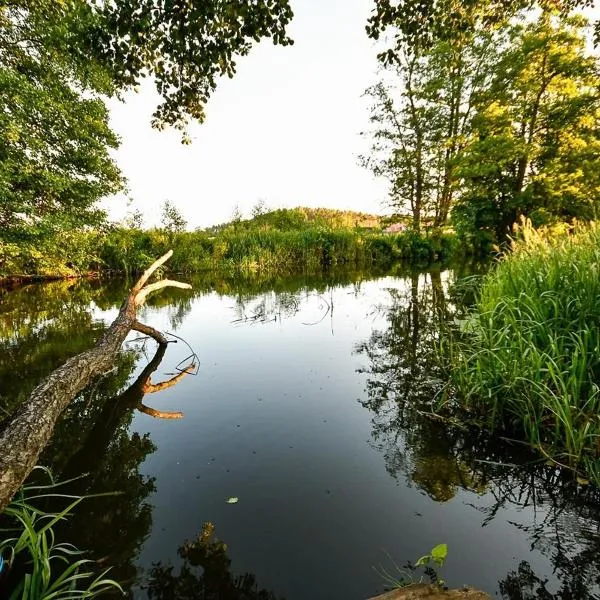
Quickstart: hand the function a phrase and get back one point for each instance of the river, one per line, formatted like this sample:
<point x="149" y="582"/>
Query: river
<point x="304" y="465"/>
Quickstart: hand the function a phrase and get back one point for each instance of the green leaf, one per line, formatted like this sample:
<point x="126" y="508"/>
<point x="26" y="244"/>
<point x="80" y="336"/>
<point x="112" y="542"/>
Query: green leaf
<point x="440" y="552"/>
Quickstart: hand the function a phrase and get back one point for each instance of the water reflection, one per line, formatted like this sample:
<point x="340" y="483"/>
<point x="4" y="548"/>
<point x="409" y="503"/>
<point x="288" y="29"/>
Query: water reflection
<point x="442" y="459"/>
<point x="94" y="437"/>
<point x="274" y="418"/>
<point x="205" y="574"/>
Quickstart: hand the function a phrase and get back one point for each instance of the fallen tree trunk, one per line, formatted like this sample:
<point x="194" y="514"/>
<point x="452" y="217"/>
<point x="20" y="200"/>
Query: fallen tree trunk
<point x="30" y="428"/>
<point x="116" y="410"/>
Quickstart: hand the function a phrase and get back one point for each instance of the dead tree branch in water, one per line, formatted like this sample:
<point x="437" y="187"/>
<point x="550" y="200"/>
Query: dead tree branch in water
<point x="30" y="428"/>
<point x="91" y="454"/>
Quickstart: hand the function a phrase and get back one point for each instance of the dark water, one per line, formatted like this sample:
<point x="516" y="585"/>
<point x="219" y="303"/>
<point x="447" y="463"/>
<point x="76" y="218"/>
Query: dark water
<point x="309" y="406"/>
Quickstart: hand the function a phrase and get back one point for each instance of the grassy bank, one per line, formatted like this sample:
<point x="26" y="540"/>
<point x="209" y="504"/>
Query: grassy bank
<point x="528" y="359"/>
<point x="287" y="242"/>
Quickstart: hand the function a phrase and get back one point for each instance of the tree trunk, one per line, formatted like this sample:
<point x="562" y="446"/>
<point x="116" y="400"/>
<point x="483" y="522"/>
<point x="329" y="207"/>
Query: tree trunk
<point x="30" y="428"/>
<point x="451" y="150"/>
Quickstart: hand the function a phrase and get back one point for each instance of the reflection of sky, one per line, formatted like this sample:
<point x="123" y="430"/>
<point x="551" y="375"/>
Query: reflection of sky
<point x="273" y="418"/>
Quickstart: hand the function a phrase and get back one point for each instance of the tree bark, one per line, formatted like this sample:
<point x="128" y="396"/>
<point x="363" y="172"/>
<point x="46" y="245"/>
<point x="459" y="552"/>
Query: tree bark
<point x="30" y="428"/>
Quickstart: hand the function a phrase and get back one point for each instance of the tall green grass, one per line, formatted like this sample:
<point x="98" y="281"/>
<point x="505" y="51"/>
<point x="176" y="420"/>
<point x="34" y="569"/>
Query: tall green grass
<point x="269" y="250"/>
<point x="47" y="569"/>
<point x="230" y="250"/>
<point x="528" y="359"/>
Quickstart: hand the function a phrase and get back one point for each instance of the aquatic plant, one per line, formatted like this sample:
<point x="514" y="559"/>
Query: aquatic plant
<point x="528" y="357"/>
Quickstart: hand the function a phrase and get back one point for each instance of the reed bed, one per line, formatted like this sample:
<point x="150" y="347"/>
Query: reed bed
<point x="528" y="358"/>
<point x="243" y="250"/>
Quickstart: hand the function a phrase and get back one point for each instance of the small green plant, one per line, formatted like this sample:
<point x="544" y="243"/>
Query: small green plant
<point x="431" y="563"/>
<point x="434" y="561"/>
<point x="50" y="569"/>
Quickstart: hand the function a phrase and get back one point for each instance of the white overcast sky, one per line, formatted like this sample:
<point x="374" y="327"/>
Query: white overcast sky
<point x="285" y="129"/>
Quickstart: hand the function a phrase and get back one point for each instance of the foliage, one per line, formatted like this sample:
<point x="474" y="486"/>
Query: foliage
<point x="50" y="570"/>
<point x="183" y="45"/>
<point x="58" y="62"/>
<point x="280" y="240"/>
<point x="54" y="150"/>
<point x="493" y="111"/>
<point x="421" y="117"/>
<point x="420" y="24"/>
<point x="431" y="563"/>
<point x="273" y="250"/>
<point x="527" y="361"/>
<point x="434" y="560"/>
<point x="286" y="219"/>
<point x="535" y="142"/>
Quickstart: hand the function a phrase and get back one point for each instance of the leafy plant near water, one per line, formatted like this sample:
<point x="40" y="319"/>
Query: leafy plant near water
<point x="431" y="564"/>
<point x="51" y="569"/>
<point x="529" y="357"/>
<point x="434" y="561"/>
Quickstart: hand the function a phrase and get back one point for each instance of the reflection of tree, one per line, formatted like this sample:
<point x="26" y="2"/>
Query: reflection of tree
<point x="266" y="307"/>
<point x="524" y="584"/>
<point x="39" y="329"/>
<point x="442" y="458"/>
<point x="176" y="306"/>
<point x="101" y="444"/>
<point x="404" y="379"/>
<point x="205" y="574"/>
<point x="565" y="528"/>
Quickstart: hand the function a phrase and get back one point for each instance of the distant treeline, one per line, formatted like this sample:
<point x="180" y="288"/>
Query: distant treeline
<point x="282" y="240"/>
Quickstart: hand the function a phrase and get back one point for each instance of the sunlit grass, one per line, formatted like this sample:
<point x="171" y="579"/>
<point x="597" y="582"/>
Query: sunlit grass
<point x="528" y="360"/>
<point x="246" y="250"/>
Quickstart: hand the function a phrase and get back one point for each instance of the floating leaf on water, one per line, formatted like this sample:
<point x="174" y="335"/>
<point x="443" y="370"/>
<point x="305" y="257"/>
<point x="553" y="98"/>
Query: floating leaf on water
<point x="232" y="500"/>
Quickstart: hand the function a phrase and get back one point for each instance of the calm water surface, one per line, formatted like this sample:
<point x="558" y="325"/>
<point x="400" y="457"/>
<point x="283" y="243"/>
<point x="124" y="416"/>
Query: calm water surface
<point x="308" y="404"/>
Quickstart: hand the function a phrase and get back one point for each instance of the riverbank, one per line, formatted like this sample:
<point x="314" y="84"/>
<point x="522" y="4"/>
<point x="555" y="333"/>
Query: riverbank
<point x="251" y="251"/>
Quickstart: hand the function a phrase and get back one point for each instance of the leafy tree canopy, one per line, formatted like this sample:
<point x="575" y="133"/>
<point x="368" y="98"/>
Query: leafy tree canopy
<point x="55" y="142"/>
<point x="418" y="23"/>
<point x="535" y="138"/>
<point x="60" y="58"/>
<point x="184" y="45"/>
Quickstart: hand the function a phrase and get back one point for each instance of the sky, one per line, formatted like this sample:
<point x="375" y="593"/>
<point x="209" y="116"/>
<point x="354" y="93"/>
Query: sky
<point x="285" y="130"/>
